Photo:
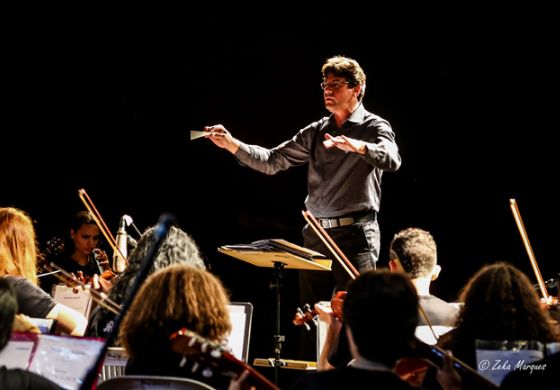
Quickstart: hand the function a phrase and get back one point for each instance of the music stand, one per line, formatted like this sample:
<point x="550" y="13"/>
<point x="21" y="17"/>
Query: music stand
<point x="280" y="255"/>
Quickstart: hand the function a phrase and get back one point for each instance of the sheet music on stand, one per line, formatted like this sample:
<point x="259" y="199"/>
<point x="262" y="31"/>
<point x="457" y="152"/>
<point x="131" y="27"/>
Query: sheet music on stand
<point x="264" y="253"/>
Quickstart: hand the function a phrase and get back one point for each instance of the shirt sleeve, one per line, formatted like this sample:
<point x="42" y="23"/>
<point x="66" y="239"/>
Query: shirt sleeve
<point x="32" y="301"/>
<point x="383" y="152"/>
<point x="293" y="152"/>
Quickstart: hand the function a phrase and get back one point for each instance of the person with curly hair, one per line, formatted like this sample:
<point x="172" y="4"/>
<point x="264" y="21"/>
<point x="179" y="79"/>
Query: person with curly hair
<point x="177" y="248"/>
<point x="178" y="296"/>
<point x="500" y="303"/>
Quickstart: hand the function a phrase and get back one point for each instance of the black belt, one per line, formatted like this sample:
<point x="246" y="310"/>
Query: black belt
<point x="328" y="223"/>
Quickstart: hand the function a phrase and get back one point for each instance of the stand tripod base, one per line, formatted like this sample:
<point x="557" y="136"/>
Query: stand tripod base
<point x="285" y="363"/>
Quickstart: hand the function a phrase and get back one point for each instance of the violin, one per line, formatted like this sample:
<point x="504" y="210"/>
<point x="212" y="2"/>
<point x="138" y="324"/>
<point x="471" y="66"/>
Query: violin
<point x="55" y="248"/>
<point x="303" y="317"/>
<point x="215" y="359"/>
<point x="413" y="369"/>
<point x="102" y="262"/>
<point x="101" y="281"/>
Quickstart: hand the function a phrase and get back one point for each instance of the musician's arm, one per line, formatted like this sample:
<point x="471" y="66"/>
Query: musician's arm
<point x="68" y="319"/>
<point x="334" y="326"/>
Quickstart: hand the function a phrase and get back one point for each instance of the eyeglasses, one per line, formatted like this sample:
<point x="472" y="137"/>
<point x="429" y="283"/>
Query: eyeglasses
<point x="333" y="85"/>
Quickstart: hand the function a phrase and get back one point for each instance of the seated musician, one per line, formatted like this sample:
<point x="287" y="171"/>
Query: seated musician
<point x="415" y="250"/>
<point x="499" y="304"/>
<point x="177" y="248"/>
<point x="381" y="313"/>
<point x="81" y="255"/>
<point x="177" y="296"/>
<point x="18" y="262"/>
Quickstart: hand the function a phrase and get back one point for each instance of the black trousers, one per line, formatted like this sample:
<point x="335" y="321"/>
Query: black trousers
<point x="360" y="243"/>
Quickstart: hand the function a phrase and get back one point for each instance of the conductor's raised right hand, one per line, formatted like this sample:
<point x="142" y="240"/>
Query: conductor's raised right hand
<point x="221" y="137"/>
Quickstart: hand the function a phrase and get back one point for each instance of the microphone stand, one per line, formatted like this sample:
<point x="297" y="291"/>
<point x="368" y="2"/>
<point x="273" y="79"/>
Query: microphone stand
<point x="160" y="231"/>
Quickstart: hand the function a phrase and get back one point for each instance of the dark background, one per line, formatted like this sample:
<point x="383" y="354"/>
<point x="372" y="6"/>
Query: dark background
<point x="108" y="107"/>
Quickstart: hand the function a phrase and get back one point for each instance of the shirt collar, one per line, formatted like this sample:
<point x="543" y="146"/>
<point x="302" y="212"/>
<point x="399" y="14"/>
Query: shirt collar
<point x="356" y="117"/>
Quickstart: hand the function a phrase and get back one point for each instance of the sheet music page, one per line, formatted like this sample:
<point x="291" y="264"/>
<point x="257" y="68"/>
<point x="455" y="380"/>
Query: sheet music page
<point x="74" y="297"/>
<point x="275" y="244"/>
<point x="297" y="247"/>
<point x="16" y="354"/>
<point x="65" y="360"/>
<point x="236" y="338"/>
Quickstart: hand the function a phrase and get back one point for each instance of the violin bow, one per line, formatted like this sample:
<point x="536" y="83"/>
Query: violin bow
<point x="347" y="265"/>
<point x="67" y="278"/>
<point x="90" y="206"/>
<point x="528" y="248"/>
<point x="330" y="244"/>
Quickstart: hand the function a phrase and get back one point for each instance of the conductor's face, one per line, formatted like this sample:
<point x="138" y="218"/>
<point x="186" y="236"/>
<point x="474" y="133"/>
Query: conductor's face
<point x="337" y="93"/>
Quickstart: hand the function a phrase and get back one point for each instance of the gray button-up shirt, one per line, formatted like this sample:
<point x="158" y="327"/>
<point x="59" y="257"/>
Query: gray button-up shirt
<point x="338" y="183"/>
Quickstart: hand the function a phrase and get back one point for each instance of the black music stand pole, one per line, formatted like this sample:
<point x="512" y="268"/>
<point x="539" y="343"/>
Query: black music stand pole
<point x="276" y="284"/>
<point x="287" y="256"/>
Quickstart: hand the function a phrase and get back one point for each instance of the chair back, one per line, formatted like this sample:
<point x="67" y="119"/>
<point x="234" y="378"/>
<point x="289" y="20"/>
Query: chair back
<point x="141" y="382"/>
<point x="114" y="364"/>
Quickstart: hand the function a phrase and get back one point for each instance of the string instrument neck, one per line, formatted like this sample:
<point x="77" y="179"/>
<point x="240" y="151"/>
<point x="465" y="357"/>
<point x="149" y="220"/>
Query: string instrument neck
<point x="215" y="357"/>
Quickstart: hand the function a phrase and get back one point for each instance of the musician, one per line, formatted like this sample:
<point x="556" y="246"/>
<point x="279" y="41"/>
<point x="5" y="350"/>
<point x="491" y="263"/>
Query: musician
<point x="414" y="250"/>
<point x="18" y="262"/>
<point x="177" y="248"/>
<point x="15" y="378"/>
<point x="500" y="303"/>
<point x="381" y="313"/>
<point x="82" y="255"/>
<point x="177" y="296"/>
<point x="544" y="378"/>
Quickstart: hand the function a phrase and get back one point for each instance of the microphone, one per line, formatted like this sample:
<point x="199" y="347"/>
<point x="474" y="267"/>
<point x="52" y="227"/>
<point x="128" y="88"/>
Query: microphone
<point x="129" y="222"/>
<point x="120" y="255"/>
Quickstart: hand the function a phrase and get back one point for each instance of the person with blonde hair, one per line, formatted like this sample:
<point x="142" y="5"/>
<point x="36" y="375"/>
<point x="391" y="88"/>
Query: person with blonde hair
<point x="178" y="296"/>
<point x="18" y="265"/>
